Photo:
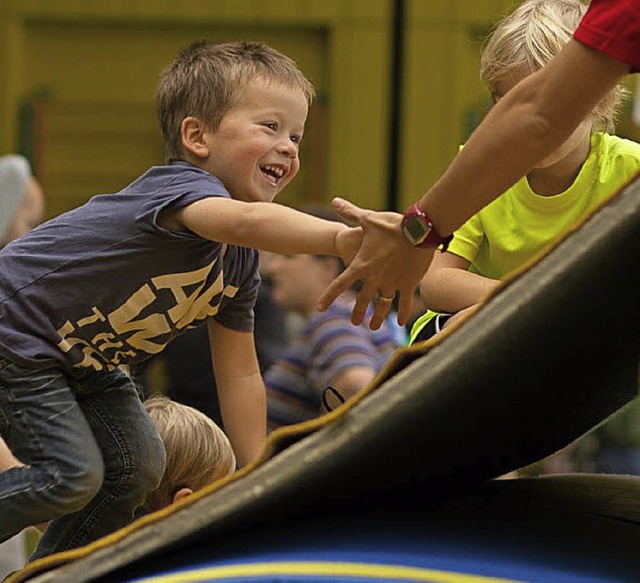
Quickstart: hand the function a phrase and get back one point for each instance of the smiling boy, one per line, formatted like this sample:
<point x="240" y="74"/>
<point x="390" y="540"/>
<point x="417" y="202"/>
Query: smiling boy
<point x="114" y="281"/>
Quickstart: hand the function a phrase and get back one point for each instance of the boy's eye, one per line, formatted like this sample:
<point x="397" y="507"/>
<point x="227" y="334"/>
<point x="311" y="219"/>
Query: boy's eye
<point x="295" y="138"/>
<point x="272" y="125"/>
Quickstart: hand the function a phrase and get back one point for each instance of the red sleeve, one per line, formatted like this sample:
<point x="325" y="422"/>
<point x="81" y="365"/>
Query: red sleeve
<point x="613" y="28"/>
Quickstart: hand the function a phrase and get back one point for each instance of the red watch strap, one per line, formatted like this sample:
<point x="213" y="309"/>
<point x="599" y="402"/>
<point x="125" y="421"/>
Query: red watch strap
<point x="433" y="238"/>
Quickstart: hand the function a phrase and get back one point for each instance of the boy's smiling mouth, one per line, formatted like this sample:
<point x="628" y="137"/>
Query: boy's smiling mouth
<point x="273" y="173"/>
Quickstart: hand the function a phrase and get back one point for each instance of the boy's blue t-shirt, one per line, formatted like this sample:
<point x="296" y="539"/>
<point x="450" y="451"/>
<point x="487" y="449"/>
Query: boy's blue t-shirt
<point x="105" y="285"/>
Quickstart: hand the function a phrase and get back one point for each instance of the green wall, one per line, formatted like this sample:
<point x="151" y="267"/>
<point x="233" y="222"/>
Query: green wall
<point x="97" y="63"/>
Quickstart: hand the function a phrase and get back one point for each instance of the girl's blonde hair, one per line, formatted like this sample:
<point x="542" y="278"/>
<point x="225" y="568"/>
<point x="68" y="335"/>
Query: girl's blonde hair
<point x="198" y="451"/>
<point x="530" y="36"/>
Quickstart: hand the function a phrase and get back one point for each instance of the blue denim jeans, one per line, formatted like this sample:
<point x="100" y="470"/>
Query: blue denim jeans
<point x="90" y="454"/>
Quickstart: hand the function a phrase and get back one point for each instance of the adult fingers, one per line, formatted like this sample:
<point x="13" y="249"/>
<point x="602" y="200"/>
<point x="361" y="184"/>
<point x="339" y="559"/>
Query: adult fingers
<point x="338" y="286"/>
<point x="347" y="210"/>
<point x="405" y="304"/>
<point x="363" y="299"/>
<point x="381" y="306"/>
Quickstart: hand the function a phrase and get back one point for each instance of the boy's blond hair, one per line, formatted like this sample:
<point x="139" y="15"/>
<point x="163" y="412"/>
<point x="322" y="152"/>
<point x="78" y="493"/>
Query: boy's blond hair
<point x="530" y="36"/>
<point x="206" y="80"/>
<point x="198" y="451"/>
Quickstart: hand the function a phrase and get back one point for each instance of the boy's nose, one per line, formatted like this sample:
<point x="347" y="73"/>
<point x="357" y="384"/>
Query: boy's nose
<point x="288" y="148"/>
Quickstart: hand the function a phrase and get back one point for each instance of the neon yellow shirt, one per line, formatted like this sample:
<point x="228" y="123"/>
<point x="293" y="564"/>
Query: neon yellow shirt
<point x="520" y="223"/>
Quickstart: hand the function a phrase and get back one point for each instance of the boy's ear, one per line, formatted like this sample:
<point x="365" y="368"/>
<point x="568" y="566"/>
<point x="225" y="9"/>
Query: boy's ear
<point x="192" y="133"/>
<point x="182" y="493"/>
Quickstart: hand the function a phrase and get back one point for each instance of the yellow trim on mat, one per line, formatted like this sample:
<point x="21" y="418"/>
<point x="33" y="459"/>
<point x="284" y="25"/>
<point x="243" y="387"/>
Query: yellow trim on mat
<point x="284" y="436"/>
<point x="367" y="571"/>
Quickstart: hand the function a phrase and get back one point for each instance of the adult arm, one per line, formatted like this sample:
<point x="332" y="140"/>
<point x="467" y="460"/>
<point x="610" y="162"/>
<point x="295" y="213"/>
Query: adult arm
<point x="241" y="392"/>
<point x="529" y="122"/>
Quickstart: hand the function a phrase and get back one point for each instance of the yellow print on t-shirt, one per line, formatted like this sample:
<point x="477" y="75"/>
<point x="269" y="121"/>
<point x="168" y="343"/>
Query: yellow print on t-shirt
<point x="106" y="341"/>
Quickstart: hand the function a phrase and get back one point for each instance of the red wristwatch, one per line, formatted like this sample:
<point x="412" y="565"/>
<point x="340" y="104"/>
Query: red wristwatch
<point x="419" y="230"/>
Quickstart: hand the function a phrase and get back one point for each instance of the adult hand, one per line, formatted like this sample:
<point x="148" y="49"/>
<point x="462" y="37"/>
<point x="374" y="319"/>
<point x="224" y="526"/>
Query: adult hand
<point x="386" y="263"/>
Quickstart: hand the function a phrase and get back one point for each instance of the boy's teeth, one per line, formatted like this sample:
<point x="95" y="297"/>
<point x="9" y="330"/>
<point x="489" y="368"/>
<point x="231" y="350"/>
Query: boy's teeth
<point x="277" y="171"/>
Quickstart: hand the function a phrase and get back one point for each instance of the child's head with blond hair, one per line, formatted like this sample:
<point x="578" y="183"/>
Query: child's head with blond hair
<point x="529" y="37"/>
<point x="208" y="79"/>
<point x="198" y="451"/>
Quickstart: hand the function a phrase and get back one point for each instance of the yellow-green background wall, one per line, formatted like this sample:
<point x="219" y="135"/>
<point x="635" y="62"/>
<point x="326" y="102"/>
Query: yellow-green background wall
<point x="98" y="62"/>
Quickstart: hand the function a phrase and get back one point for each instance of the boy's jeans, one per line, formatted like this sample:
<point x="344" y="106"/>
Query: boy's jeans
<point x="89" y="448"/>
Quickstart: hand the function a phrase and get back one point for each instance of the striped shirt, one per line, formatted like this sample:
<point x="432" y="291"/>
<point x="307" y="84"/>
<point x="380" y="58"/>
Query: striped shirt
<point x="327" y="346"/>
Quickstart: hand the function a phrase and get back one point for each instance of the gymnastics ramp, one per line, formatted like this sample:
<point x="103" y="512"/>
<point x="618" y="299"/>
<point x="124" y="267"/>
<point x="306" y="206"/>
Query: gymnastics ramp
<point x="399" y="484"/>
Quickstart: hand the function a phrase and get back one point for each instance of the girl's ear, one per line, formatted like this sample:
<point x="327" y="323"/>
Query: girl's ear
<point x="182" y="493"/>
<point x="192" y="133"/>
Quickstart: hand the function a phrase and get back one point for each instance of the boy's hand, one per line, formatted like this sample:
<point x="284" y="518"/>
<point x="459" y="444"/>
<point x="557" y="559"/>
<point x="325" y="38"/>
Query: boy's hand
<point x="348" y="242"/>
<point x="385" y="263"/>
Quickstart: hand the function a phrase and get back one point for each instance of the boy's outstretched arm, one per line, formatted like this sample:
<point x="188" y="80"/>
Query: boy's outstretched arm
<point x="268" y="226"/>
<point x="241" y="392"/>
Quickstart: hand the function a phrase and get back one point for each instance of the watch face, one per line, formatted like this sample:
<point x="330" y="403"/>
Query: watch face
<point x="415" y="229"/>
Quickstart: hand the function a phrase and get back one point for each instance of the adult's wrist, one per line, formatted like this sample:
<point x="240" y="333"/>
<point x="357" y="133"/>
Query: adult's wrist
<point x="420" y="231"/>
